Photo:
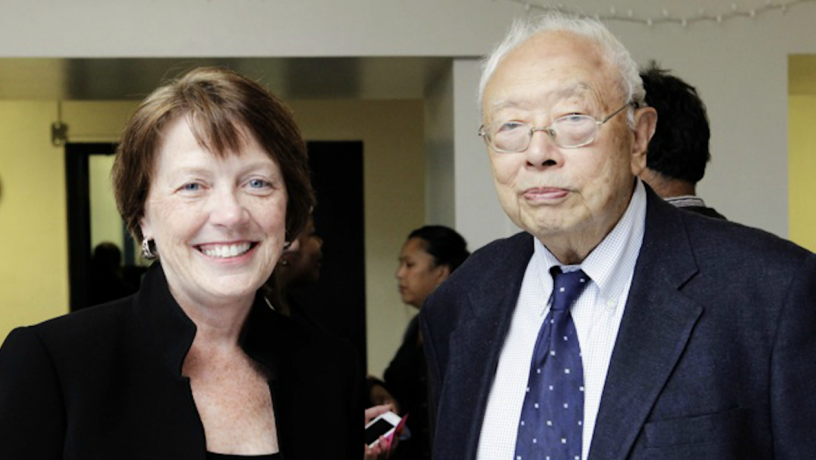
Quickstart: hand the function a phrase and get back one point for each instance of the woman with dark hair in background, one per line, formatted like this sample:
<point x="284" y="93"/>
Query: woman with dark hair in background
<point x="298" y="266"/>
<point x="212" y="178"/>
<point x="428" y="257"/>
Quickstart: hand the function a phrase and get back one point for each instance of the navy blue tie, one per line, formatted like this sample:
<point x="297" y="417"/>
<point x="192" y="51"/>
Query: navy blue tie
<point x="552" y="416"/>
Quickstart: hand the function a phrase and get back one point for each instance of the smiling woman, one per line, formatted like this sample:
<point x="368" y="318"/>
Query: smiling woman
<point x="212" y="176"/>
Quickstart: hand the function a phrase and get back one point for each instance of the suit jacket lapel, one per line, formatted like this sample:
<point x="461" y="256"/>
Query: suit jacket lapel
<point x="655" y="328"/>
<point x="476" y="344"/>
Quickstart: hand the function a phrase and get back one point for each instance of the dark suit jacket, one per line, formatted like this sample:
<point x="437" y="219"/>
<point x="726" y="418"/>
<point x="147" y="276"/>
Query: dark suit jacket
<point x="106" y="383"/>
<point x="715" y="357"/>
<point x="704" y="210"/>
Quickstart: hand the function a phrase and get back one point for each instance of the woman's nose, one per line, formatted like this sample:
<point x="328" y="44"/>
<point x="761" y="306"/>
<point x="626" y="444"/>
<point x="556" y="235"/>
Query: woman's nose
<point x="228" y="210"/>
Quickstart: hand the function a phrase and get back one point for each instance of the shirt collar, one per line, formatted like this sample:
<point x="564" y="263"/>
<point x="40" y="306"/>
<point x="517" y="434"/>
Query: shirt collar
<point x="172" y="331"/>
<point x="686" y="201"/>
<point x="611" y="264"/>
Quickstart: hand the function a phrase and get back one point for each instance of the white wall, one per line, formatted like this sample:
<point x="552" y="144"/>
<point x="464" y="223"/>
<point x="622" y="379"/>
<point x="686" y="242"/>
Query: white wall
<point x="740" y="71"/>
<point x="440" y="193"/>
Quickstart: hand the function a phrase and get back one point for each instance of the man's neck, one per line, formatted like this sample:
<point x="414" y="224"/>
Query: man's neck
<point x="666" y="187"/>
<point x="573" y="246"/>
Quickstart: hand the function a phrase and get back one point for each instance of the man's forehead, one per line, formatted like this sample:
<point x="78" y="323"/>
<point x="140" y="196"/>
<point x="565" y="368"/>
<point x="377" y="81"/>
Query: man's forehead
<point x="559" y="65"/>
<point x="582" y="91"/>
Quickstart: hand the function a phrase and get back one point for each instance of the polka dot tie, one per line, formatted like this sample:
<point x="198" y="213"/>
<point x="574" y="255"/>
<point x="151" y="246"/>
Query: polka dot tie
<point x="552" y="416"/>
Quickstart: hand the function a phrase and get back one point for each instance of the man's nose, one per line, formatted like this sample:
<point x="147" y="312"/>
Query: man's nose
<point x="542" y="150"/>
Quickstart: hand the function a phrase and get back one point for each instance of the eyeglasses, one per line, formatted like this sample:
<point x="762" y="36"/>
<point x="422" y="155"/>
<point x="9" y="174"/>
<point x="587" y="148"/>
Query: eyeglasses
<point x="568" y="132"/>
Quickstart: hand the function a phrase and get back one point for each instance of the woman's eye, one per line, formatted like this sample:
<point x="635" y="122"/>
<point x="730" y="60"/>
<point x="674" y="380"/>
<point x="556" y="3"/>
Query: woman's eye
<point x="191" y="187"/>
<point x="258" y="183"/>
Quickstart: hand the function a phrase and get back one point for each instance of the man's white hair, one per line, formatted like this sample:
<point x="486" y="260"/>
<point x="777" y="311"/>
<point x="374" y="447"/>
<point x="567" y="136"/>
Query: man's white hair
<point x="612" y="50"/>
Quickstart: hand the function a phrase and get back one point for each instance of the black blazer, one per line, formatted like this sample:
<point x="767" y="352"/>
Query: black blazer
<point x="715" y="357"/>
<point x="106" y="383"/>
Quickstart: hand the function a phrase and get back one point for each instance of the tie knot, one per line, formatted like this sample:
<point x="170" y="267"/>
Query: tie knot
<point x="567" y="287"/>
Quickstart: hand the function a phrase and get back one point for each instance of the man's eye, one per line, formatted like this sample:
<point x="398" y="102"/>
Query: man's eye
<point x="573" y="119"/>
<point x="510" y="126"/>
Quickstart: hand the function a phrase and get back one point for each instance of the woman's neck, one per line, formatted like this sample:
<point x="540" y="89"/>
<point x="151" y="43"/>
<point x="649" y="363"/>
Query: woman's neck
<point x="217" y="323"/>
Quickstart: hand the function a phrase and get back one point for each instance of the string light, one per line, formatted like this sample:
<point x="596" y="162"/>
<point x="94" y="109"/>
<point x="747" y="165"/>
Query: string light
<point x="666" y="17"/>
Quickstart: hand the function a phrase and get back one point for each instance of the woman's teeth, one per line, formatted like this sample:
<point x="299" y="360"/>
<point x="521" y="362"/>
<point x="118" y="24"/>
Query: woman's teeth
<point x="226" y="250"/>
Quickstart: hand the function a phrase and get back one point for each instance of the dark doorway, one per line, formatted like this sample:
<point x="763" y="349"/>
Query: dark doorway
<point x="80" y="265"/>
<point x="337" y="302"/>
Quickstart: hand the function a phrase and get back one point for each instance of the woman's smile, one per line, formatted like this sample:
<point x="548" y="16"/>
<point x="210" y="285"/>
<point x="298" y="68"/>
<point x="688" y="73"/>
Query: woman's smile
<point x="225" y="250"/>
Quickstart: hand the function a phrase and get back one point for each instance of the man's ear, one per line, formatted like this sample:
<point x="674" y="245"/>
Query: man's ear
<point x="645" y="124"/>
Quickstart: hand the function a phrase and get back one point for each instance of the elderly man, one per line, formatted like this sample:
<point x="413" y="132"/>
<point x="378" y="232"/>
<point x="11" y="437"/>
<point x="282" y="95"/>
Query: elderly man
<point x="615" y="326"/>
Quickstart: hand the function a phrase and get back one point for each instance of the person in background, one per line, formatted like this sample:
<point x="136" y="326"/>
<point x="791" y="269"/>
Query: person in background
<point x="679" y="150"/>
<point x="299" y="265"/>
<point x="212" y="177"/>
<point x="428" y="257"/>
<point x="384" y="446"/>
<point x="614" y="325"/>
<point x="106" y="281"/>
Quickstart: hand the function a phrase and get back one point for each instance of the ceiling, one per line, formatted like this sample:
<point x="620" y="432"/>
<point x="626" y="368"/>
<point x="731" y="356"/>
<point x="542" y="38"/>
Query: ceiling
<point x="289" y="78"/>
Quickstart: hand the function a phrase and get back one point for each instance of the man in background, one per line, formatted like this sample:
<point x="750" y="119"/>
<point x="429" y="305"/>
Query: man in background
<point x="678" y="151"/>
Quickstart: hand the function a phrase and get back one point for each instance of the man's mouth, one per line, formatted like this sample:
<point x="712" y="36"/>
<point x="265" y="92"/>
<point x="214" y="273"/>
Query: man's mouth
<point x="545" y="193"/>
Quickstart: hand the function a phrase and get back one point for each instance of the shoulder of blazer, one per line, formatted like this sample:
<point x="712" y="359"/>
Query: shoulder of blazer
<point x="492" y="271"/>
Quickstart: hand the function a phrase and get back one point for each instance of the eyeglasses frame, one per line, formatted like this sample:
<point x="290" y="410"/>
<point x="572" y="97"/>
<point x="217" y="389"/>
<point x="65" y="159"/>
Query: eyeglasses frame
<point x="551" y="132"/>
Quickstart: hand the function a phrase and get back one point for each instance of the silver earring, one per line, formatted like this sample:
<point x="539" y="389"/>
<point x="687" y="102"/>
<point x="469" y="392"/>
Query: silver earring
<point x="147" y="253"/>
<point x="287" y="245"/>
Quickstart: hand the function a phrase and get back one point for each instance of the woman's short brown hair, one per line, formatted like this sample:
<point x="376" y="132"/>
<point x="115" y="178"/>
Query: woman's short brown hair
<point x="220" y="104"/>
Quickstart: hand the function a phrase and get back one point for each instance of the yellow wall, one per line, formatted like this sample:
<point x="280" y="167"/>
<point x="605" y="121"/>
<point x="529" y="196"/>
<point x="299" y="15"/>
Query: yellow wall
<point x="106" y="223"/>
<point x="33" y="227"/>
<point x="33" y="271"/>
<point x="33" y="230"/>
<point x="802" y="174"/>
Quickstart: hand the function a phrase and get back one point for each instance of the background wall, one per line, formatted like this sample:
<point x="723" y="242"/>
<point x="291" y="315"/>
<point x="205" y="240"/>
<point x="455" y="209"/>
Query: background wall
<point x="802" y="156"/>
<point x="33" y="228"/>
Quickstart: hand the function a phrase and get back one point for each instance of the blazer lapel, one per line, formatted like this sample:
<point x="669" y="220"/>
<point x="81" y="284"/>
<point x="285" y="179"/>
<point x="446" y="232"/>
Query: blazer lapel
<point x="655" y="328"/>
<point x="477" y="342"/>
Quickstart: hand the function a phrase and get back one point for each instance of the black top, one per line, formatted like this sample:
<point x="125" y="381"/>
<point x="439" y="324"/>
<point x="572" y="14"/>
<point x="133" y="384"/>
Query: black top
<point x="407" y="380"/>
<point x="214" y="456"/>
<point x="106" y="382"/>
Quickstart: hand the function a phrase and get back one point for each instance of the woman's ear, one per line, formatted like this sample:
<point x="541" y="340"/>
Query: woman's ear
<point x="147" y="230"/>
